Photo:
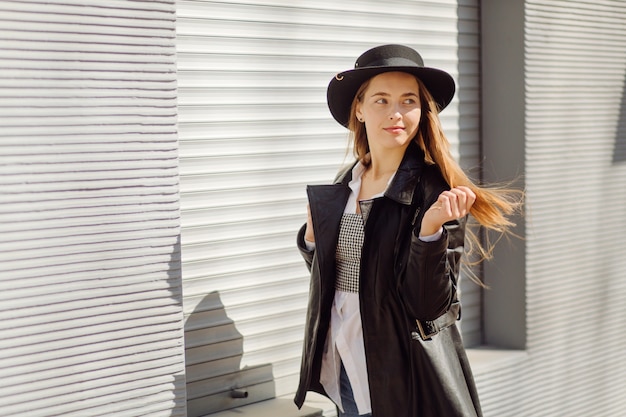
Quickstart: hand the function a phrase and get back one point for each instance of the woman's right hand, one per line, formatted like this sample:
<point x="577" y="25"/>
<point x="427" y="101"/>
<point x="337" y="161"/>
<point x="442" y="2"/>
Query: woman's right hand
<point x="308" y="234"/>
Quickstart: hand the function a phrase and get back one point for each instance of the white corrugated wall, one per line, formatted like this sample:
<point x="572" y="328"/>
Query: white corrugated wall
<point x="90" y="291"/>
<point x="254" y="130"/>
<point x="575" y="66"/>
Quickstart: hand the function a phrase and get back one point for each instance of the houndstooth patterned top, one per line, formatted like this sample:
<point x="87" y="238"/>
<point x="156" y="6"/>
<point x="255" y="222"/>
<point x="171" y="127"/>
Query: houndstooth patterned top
<point x="348" y="254"/>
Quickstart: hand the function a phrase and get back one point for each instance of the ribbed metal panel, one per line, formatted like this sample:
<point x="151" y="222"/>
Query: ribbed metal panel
<point x="467" y="141"/>
<point x="254" y="130"/>
<point x="575" y="65"/>
<point x="90" y="310"/>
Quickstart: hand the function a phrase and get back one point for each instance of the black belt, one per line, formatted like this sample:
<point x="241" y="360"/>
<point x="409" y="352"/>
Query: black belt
<point x="428" y="328"/>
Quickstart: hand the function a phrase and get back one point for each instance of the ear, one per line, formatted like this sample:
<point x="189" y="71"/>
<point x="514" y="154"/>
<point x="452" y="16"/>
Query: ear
<point x="358" y="113"/>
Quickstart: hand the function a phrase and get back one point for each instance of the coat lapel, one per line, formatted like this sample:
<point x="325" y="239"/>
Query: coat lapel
<point x="327" y="203"/>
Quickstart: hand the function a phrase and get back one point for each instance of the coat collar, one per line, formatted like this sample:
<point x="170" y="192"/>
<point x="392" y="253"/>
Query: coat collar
<point x="402" y="187"/>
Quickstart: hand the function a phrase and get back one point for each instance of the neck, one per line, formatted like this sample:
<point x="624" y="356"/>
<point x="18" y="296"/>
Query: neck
<point x="384" y="164"/>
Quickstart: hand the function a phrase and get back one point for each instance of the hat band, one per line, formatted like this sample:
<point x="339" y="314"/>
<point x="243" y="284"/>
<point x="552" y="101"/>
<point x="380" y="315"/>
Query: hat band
<point x="391" y="62"/>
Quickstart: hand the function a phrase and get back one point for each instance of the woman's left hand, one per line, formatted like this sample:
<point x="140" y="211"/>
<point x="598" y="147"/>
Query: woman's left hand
<point x="450" y="205"/>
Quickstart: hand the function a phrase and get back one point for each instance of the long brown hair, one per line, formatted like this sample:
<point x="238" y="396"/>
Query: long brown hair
<point x="493" y="206"/>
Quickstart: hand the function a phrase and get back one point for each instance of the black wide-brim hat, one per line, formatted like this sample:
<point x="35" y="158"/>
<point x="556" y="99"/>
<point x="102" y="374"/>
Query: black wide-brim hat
<point x="386" y="58"/>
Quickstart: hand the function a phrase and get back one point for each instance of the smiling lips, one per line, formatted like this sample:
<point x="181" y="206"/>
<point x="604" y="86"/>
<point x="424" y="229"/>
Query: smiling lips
<point x="395" y="129"/>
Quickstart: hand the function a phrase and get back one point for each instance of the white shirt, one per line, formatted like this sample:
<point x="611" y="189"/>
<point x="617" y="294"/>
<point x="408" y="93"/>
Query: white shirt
<point x="344" y="341"/>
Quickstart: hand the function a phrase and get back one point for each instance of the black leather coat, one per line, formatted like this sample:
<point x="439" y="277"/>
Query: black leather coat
<point x="402" y="279"/>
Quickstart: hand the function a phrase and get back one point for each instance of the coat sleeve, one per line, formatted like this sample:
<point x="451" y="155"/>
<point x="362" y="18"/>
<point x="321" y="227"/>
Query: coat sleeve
<point x="429" y="284"/>
<point x="306" y="254"/>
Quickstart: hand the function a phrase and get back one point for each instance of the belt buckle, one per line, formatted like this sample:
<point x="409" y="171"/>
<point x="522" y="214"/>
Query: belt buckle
<point x="427" y="329"/>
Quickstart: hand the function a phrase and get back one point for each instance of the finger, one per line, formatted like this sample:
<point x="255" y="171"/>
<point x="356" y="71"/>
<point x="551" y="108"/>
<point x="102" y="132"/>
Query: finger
<point x="445" y="199"/>
<point x="308" y="233"/>
<point x="453" y="199"/>
<point x="461" y="199"/>
<point x="468" y="197"/>
<point x="471" y="196"/>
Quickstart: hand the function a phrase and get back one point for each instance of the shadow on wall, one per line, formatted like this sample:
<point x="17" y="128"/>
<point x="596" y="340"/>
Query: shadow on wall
<point x="619" y="149"/>
<point x="213" y="353"/>
<point x="175" y="284"/>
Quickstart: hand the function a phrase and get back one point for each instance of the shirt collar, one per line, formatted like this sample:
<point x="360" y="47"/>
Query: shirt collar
<point x="401" y="186"/>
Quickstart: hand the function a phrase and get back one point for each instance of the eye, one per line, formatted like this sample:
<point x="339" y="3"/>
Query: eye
<point x="410" y="101"/>
<point x="381" y="101"/>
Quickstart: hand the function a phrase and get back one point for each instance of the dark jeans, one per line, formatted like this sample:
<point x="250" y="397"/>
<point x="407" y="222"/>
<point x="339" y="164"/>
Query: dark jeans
<point x="347" y="398"/>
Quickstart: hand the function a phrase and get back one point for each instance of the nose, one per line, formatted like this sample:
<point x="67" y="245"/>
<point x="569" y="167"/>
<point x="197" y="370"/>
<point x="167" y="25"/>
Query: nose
<point x="395" y="113"/>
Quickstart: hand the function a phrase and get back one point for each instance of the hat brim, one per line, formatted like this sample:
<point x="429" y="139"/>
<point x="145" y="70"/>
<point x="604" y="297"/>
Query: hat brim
<point x="343" y="87"/>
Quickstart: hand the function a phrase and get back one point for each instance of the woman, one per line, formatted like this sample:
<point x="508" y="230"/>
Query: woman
<point x="383" y="244"/>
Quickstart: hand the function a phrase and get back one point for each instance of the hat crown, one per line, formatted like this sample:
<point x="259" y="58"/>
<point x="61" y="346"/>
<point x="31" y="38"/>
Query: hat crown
<point x="389" y="56"/>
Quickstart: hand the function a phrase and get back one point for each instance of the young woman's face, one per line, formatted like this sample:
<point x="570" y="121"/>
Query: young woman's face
<point x="390" y="110"/>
